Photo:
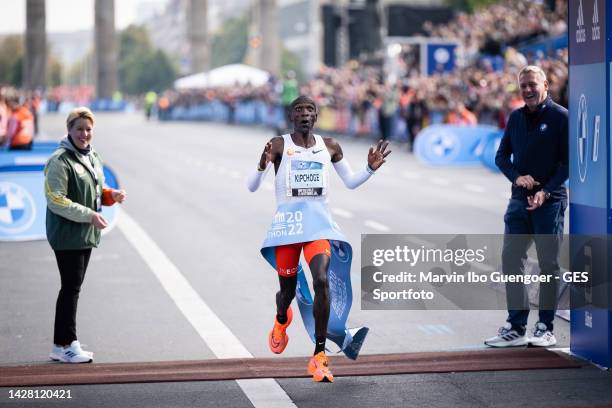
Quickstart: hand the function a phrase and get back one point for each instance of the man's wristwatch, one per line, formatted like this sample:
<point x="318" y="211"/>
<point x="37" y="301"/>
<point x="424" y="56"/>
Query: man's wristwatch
<point x="546" y="194"/>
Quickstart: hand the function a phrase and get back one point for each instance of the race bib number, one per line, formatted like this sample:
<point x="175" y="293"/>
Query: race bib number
<point x="306" y="178"/>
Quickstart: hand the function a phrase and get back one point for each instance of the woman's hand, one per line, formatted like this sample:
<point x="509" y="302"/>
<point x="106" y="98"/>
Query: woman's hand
<point x="99" y="221"/>
<point x="119" y="195"/>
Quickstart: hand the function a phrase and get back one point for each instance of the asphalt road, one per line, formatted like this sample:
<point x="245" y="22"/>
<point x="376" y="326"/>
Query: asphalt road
<point x="187" y="194"/>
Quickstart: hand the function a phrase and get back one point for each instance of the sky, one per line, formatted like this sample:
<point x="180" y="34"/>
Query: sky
<point x="71" y="15"/>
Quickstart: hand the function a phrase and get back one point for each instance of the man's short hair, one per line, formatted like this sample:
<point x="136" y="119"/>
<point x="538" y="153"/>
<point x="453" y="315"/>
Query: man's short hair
<point x="532" y="69"/>
<point x="303" y="99"/>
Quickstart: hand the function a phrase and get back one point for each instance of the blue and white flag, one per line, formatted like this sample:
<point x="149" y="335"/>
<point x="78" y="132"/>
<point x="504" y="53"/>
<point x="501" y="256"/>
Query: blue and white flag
<point x="310" y="221"/>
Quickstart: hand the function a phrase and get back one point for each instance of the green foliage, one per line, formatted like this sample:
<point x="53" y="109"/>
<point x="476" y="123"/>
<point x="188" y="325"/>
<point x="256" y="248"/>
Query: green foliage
<point x="229" y="45"/>
<point x="81" y="72"/>
<point x="469" y="5"/>
<point x="141" y="67"/>
<point x="54" y="72"/>
<point x="291" y="62"/>
<point x="11" y="60"/>
<point x="134" y="39"/>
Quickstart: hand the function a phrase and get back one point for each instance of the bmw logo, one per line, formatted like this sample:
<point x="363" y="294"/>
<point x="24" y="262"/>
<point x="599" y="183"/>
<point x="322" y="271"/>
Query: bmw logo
<point x="339" y="251"/>
<point x="17" y="210"/>
<point x="441" y="55"/>
<point x="438" y="146"/>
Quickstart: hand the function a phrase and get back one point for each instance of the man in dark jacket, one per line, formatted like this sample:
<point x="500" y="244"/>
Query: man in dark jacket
<point x="533" y="155"/>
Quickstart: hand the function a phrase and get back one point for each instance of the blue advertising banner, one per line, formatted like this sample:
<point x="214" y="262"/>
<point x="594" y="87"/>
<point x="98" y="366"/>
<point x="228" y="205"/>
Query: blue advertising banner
<point x="589" y="133"/>
<point x="588" y="144"/>
<point x="491" y="144"/>
<point x="440" y="57"/>
<point x="442" y="145"/>
<point x="22" y="216"/>
<point x="586" y="29"/>
<point x="23" y="205"/>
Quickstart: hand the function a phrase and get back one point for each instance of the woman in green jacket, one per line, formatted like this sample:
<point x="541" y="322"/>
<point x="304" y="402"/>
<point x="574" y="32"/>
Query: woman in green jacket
<point x="74" y="188"/>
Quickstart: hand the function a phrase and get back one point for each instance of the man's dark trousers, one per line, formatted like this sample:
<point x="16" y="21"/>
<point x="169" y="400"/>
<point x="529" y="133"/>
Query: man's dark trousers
<point x="544" y="226"/>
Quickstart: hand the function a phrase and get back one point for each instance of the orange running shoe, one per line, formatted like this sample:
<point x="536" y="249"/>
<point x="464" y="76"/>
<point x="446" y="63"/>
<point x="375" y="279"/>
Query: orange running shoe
<point x="278" y="339"/>
<point x="318" y="367"/>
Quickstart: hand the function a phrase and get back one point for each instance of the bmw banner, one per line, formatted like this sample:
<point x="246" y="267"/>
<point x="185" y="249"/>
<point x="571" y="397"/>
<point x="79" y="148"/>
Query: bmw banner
<point x="490" y="145"/>
<point x="23" y="205"/>
<point x="443" y="145"/>
<point x="20" y="216"/>
<point x="440" y="57"/>
<point x="590" y="74"/>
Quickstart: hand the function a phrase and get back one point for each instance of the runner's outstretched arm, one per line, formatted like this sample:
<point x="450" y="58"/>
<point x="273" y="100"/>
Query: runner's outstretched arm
<point x="376" y="158"/>
<point x="352" y="180"/>
<point x="255" y="179"/>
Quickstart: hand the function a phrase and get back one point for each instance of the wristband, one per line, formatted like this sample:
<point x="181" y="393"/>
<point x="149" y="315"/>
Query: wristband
<point x="369" y="169"/>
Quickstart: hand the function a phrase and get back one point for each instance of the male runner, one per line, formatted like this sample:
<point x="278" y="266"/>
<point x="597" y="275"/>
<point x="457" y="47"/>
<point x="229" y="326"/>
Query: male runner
<point x="301" y="163"/>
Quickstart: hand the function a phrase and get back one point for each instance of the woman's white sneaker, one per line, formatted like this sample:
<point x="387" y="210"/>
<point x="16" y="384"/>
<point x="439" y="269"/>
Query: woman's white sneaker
<point x="71" y="354"/>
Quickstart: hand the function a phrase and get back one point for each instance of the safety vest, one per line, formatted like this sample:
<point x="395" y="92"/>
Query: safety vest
<point x="4" y="112"/>
<point x="24" y="131"/>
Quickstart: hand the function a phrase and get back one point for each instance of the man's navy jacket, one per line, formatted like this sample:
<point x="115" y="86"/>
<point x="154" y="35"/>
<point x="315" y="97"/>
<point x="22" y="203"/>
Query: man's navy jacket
<point x="538" y="143"/>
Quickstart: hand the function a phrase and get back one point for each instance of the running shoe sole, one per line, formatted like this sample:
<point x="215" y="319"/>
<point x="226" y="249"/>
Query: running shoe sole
<point x="279" y="347"/>
<point x="522" y="341"/>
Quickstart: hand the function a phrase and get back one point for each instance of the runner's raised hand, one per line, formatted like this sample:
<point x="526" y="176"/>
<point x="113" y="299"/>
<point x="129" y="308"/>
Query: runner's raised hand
<point x="376" y="157"/>
<point x="266" y="156"/>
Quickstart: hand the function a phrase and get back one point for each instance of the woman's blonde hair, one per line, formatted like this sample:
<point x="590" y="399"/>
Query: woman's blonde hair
<point x="79" y="113"/>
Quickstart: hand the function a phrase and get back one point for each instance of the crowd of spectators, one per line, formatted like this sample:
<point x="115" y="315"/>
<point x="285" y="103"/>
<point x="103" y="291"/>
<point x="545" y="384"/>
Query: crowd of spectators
<point x="506" y="23"/>
<point x="18" y="118"/>
<point x="481" y="89"/>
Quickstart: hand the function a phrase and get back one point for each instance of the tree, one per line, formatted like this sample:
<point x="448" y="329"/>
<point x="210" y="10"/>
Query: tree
<point x="132" y="40"/>
<point x="54" y="72"/>
<point x="105" y="39"/>
<point x="229" y="45"/>
<point x="291" y="62"/>
<point x="141" y="67"/>
<point x="11" y="60"/>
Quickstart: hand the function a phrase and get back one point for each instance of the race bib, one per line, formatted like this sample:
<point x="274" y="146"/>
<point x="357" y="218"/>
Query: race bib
<point x="305" y="178"/>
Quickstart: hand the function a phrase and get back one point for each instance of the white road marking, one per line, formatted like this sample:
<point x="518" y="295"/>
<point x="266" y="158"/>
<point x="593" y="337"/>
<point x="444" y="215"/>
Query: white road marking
<point x="483" y="267"/>
<point x="342" y="213"/>
<point x="440" y="181"/>
<point x="431" y="329"/>
<point x="376" y="226"/>
<point x="474" y="188"/>
<point x="411" y="175"/>
<point x="217" y="336"/>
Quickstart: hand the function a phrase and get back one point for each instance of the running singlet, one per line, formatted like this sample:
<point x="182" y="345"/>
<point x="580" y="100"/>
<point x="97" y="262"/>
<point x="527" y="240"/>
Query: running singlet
<point x="303" y="173"/>
<point x="302" y="216"/>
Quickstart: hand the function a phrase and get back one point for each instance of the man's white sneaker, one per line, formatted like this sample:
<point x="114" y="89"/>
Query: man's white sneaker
<point x="542" y="337"/>
<point x="71" y="354"/>
<point x="507" y="337"/>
